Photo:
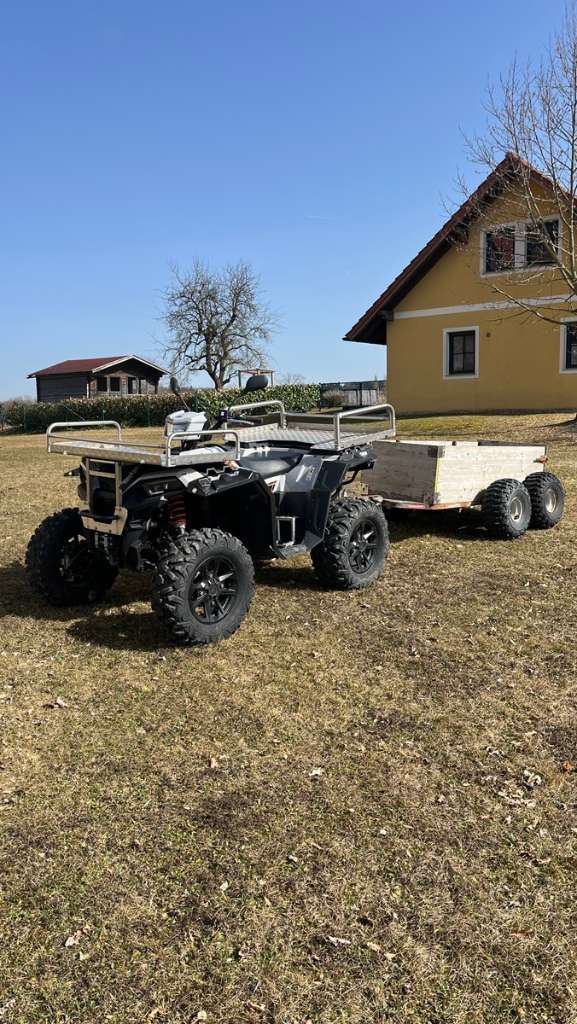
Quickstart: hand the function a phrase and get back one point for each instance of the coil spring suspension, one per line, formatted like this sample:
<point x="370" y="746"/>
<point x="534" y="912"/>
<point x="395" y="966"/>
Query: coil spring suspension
<point x="177" y="512"/>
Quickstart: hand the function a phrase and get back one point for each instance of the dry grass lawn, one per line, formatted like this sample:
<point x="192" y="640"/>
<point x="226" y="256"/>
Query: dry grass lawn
<point x="361" y="808"/>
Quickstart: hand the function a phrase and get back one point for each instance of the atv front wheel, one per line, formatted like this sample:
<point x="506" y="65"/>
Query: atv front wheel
<point x="203" y="585"/>
<point x="355" y="545"/>
<point x="61" y="564"/>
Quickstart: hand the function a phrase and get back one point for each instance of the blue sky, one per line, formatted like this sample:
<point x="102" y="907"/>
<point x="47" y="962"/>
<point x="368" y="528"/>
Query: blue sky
<point x="316" y="140"/>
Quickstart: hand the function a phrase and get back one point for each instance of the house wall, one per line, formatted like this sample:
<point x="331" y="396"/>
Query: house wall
<point x="58" y="387"/>
<point x="519" y="355"/>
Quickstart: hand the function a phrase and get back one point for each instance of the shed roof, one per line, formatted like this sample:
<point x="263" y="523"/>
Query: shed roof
<point x="372" y="325"/>
<point x="91" y="365"/>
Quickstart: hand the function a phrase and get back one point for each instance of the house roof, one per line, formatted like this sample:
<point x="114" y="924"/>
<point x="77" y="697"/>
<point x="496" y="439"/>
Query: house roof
<point x="91" y="365"/>
<point x="372" y="325"/>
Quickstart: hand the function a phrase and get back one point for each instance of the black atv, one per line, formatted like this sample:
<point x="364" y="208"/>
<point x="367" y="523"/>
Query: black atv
<point x="200" y="508"/>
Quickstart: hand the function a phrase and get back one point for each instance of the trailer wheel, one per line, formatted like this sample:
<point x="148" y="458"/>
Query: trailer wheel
<point x="203" y="585"/>
<point x="506" y="509"/>
<point x="355" y="545"/>
<point x="547" y="500"/>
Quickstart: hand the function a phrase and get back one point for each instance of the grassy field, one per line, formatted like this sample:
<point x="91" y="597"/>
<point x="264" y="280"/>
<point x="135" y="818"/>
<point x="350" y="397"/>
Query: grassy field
<point x="361" y="808"/>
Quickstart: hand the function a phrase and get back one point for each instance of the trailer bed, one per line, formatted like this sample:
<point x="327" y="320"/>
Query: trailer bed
<point x="441" y="474"/>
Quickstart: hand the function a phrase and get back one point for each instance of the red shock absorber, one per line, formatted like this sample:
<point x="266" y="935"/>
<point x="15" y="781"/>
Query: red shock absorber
<point x="177" y="512"/>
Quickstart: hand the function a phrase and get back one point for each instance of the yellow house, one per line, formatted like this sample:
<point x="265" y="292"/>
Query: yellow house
<point x="460" y="322"/>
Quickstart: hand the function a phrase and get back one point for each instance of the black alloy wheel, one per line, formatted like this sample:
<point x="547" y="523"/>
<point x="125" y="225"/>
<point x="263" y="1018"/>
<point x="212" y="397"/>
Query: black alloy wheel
<point x="213" y="589"/>
<point x="363" y="547"/>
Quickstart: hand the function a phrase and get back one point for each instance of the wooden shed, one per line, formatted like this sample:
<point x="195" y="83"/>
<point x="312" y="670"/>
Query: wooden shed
<point x="91" y="378"/>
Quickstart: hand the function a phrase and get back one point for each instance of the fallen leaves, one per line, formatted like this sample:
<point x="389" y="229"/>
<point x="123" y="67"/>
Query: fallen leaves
<point x="58" y="702"/>
<point x="532" y="779"/>
<point x="75" y="938"/>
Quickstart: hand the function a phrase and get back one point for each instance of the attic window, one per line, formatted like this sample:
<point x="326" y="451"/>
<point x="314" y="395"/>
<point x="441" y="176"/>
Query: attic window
<point x="537" y="237"/>
<point x="500" y="250"/>
<point x="511" y="247"/>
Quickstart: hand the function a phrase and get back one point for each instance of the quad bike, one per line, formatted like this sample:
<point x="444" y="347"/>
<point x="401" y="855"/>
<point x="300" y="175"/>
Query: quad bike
<point x="200" y="508"/>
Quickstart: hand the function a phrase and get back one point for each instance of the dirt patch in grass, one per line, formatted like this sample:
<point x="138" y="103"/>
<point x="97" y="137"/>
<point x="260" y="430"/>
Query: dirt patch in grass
<point x="359" y="808"/>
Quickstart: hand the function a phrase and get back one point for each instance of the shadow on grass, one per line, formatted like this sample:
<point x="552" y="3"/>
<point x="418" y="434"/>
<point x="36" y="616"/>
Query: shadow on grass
<point x="18" y="598"/>
<point x="112" y="623"/>
<point x="121" y="630"/>
<point x="288" y="575"/>
<point x="454" y="525"/>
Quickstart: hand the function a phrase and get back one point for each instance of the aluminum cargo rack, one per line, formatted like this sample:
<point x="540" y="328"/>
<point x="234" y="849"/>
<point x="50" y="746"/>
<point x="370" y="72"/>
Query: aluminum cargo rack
<point x="322" y="434"/>
<point x="163" y="453"/>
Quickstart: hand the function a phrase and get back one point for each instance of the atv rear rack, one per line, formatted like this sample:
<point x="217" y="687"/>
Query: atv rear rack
<point x="321" y="434"/>
<point x="162" y="453"/>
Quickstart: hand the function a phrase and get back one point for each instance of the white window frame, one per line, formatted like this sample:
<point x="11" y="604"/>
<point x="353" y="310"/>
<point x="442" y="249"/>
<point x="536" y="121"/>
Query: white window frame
<point x="520" y="229"/>
<point x="459" y="376"/>
<point x="563" y="344"/>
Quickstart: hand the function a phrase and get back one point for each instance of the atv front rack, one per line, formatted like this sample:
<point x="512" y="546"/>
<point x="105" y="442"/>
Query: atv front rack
<point x="323" y="434"/>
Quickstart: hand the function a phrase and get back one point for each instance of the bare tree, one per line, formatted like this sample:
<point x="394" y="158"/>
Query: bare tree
<point x="292" y="378"/>
<point x="216" y="321"/>
<point x="532" y="123"/>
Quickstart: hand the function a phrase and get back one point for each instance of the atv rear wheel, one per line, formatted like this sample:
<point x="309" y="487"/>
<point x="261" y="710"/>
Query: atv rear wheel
<point x="203" y="585"/>
<point x="61" y="564"/>
<point x="355" y="545"/>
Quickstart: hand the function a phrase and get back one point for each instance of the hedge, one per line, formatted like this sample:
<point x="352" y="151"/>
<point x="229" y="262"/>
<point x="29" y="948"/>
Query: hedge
<point x="135" y="411"/>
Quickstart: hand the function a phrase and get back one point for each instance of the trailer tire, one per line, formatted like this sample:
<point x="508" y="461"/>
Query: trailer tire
<point x="547" y="500"/>
<point x="62" y="566"/>
<point x="506" y="509"/>
<point x="203" y="585"/>
<point x="355" y="546"/>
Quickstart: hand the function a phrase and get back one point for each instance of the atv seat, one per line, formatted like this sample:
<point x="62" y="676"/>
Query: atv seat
<point x="269" y="463"/>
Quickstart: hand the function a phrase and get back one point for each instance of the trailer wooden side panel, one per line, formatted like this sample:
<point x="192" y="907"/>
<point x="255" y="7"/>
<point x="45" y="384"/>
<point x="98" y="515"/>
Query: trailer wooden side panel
<point x="465" y="471"/>
<point x="404" y="470"/>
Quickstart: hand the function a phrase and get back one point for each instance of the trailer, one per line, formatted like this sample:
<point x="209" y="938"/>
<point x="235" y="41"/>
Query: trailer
<point x="507" y="482"/>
